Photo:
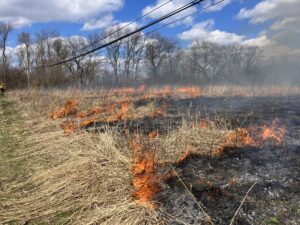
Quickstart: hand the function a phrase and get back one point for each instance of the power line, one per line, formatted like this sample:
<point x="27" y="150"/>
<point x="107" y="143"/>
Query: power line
<point x="177" y="20"/>
<point x="189" y="5"/>
<point x="123" y="27"/>
<point x="184" y="17"/>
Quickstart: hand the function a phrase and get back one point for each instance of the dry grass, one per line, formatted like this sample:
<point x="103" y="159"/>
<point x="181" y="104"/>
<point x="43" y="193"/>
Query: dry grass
<point x="251" y="91"/>
<point x="89" y="176"/>
<point x="86" y="175"/>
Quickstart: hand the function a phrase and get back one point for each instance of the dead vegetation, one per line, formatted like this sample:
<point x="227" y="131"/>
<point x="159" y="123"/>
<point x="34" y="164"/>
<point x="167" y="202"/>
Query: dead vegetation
<point x="110" y="177"/>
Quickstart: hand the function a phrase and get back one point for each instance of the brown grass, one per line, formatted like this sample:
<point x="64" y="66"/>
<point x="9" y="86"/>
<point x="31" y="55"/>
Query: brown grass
<point x="93" y="177"/>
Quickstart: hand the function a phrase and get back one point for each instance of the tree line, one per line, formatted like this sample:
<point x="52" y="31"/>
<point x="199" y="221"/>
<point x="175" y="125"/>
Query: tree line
<point x="140" y="58"/>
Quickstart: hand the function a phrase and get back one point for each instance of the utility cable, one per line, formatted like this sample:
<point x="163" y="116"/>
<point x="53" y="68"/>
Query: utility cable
<point x="189" y="5"/>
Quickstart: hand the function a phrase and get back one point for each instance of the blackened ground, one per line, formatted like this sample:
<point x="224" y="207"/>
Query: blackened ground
<point x="234" y="111"/>
<point x="220" y="183"/>
<point x="221" y="187"/>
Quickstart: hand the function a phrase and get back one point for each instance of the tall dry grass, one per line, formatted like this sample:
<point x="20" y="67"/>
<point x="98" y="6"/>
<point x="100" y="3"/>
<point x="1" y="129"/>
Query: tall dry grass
<point x="87" y="177"/>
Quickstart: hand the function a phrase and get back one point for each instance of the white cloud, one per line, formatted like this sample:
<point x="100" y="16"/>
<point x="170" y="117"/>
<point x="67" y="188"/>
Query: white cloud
<point x="271" y="9"/>
<point x="260" y="41"/>
<point x="285" y="30"/>
<point x="218" y="6"/>
<point x="129" y="25"/>
<point x="93" y="24"/>
<point x="173" y="5"/>
<point x="204" y="32"/>
<point x="287" y="23"/>
<point x="20" y="12"/>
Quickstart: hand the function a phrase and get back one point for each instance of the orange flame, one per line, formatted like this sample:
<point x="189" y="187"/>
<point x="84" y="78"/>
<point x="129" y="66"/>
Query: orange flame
<point x="69" y="127"/>
<point x="203" y="124"/>
<point x="242" y="136"/>
<point x="184" y="156"/>
<point x="254" y="136"/>
<point x="122" y="114"/>
<point x="123" y="91"/>
<point x="90" y="112"/>
<point x="190" y="91"/>
<point x="145" y="180"/>
<point x="153" y="134"/>
<point x="87" y="122"/>
<point x="273" y="132"/>
<point x="69" y="108"/>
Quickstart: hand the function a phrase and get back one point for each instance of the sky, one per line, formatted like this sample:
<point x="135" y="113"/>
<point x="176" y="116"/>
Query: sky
<point x="270" y="24"/>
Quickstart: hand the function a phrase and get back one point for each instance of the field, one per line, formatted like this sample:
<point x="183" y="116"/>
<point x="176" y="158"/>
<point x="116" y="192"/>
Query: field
<point x="150" y="155"/>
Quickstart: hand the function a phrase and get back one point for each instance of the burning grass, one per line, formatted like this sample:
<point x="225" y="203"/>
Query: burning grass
<point x="257" y="135"/>
<point x="109" y="177"/>
<point x="145" y="180"/>
<point x="93" y="178"/>
<point x="69" y="108"/>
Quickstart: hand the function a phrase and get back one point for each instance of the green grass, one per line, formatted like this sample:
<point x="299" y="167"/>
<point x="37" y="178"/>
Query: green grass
<point x="10" y="142"/>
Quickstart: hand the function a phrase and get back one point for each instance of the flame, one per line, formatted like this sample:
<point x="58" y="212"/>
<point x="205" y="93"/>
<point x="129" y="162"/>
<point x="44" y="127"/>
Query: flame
<point x="164" y="91"/>
<point x="123" y="91"/>
<point x="184" y="156"/>
<point x="87" y="122"/>
<point x="190" y="91"/>
<point x="273" y="132"/>
<point x="69" y="108"/>
<point x="203" y="124"/>
<point x="145" y="179"/>
<point x="153" y="134"/>
<point x="69" y="127"/>
<point x="111" y="108"/>
<point x="122" y="114"/>
<point x="90" y="112"/>
<point x="157" y="113"/>
<point x="254" y="136"/>
<point x="242" y="136"/>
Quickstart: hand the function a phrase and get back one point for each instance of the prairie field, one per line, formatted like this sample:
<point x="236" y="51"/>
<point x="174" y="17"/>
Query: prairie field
<point x="150" y="155"/>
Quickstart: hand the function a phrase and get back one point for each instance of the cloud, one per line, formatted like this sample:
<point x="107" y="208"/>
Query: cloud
<point x="285" y="30"/>
<point x="271" y="9"/>
<point x="93" y="24"/>
<point x="175" y="4"/>
<point x="217" y="7"/>
<point x="260" y="41"/>
<point x="171" y="6"/>
<point x="287" y="23"/>
<point x="204" y="31"/>
<point x="21" y="13"/>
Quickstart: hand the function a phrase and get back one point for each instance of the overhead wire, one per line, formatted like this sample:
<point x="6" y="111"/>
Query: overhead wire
<point x="189" y="5"/>
<point x="173" y="22"/>
<point x="123" y="27"/>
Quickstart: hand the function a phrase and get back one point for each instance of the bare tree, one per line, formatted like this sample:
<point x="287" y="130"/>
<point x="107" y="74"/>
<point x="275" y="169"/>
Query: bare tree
<point x="114" y="50"/>
<point x="157" y="48"/>
<point x="202" y="55"/>
<point x="85" y="68"/>
<point x="251" y="58"/>
<point x="132" y="55"/>
<point x="25" y="40"/>
<point x="5" y="29"/>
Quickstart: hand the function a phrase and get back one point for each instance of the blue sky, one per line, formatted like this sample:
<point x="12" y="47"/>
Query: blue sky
<point x="243" y="21"/>
<point x="225" y="20"/>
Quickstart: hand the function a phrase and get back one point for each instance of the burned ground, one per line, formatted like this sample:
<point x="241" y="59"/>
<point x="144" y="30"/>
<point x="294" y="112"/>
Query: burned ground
<point x="220" y="183"/>
<point x="184" y="153"/>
